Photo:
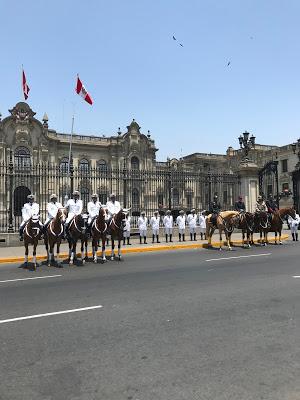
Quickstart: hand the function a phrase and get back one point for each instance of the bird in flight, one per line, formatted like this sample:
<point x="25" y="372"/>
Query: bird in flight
<point x="174" y="38"/>
<point x="181" y="44"/>
<point x="229" y="62"/>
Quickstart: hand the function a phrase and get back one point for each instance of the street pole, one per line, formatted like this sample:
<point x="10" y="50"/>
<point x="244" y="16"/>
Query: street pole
<point x="11" y="178"/>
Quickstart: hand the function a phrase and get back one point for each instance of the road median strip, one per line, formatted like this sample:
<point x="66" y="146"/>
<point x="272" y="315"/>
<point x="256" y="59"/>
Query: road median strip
<point x="4" y="260"/>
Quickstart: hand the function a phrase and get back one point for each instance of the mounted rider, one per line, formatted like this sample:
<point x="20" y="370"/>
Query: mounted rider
<point x="260" y="205"/>
<point x="52" y="208"/>
<point x="74" y="207"/>
<point x="214" y="210"/>
<point x="240" y="205"/>
<point x="93" y="208"/>
<point x="272" y="206"/>
<point x="113" y="207"/>
<point x="30" y="209"/>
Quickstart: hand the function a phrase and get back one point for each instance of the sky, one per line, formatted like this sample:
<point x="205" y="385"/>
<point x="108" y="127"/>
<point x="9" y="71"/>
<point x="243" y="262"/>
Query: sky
<point x="188" y="97"/>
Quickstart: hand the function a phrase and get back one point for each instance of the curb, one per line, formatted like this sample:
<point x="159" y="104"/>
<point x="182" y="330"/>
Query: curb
<point x="139" y="250"/>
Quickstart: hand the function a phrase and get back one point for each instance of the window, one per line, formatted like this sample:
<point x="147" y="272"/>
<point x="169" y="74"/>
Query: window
<point x="285" y="186"/>
<point x="135" y="200"/>
<point x="225" y="197"/>
<point x="160" y="200"/>
<point x="189" y="198"/>
<point x="135" y="163"/>
<point x="20" y="198"/>
<point x="84" y="166"/>
<point x="269" y="190"/>
<point x="284" y="165"/>
<point x="175" y="198"/>
<point x="64" y="165"/>
<point x="22" y="157"/>
<point x="102" y="166"/>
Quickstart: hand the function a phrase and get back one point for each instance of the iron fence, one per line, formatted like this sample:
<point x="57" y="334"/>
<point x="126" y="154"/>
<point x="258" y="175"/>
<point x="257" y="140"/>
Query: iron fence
<point x="149" y="190"/>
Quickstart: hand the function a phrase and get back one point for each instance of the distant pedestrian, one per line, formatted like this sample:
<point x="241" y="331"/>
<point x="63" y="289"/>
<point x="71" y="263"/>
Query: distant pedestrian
<point x="192" y="222"/>
<point x="154" y="222"/>
<point x="180" y="220"/>
<point x="127" y="228"/>
<point x="168" y="224"/>
<point x="202" y="224"/>
<point x="294" y="224"/>
<point x="142" y="225"/>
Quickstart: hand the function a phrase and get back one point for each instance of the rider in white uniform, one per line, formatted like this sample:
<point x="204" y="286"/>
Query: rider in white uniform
<point x="74" y="207"/>
<point x="52" y="207"/>
<point x="29" y="210"/>
<point x="168" y="224"/>
<point x="154" y="222"/>
<point x="142" y="224"/>
<point x="93" y="208"/>
<point x="192" y="222"/>
<point x="113" y="206"/>
<point x="180" y="220"/>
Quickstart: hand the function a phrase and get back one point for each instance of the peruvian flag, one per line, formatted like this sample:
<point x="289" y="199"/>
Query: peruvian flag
<point x="25" y="87"/>
<point x="81" y="90"/>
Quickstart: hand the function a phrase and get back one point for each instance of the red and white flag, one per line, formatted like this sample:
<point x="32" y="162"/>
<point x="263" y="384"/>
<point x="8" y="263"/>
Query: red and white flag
<point x="81" y="90"/>
<point x="25" y="87"/>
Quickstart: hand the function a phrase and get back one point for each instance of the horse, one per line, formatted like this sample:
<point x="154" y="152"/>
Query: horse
<point x="261" y="225"/>
<point x="99" y="231"/>
<point x="245" y="222"/>
<point x="54" y="235"/>
<point x="77" y="231"/>
<point x="277" y="221"/>
<point x="32" y="234"/>
<point x="224" y="223"/>
<point x="116" y="228"/>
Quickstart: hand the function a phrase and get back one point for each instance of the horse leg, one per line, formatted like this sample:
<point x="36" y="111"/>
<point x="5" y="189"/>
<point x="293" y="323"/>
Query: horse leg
<point x="221" y="240"/>
<point x="103" y="249"/>
<point x="34" y="256"/>
<point x="119" y="249"/>
<point x="71" y="252"/>
<point x="95" y="249"/>
<point x="50" y="254"/>
<point x="26" y="255"/>
<point x="82" y="252"/>
<point x="279" y="232"/>
<point x="228" y="240"/>
<point x="275" y="237"/>
<point x="86" y="249"/>
<point x="112" y="257"/>
<point x="57" y="254"/>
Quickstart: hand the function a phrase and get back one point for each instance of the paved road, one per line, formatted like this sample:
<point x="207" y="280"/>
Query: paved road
<point x="173" y="326"/>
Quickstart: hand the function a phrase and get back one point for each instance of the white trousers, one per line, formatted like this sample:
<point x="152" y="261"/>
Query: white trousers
<point x="143" y="232"/>
<point x="168" y="231"/>
<point x="126" y="234"/>
<point x="294" y="228"/>
<point x="181" y="231"/>
<point x="192" y="230"/>
<point x="155" y="232"/>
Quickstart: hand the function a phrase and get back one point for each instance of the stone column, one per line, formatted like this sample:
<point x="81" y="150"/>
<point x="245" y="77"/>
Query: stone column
<point x="248" y="172"/>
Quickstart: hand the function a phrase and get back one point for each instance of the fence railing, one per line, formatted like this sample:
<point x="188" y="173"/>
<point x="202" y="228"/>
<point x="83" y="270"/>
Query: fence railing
<point x="142" y="190"/>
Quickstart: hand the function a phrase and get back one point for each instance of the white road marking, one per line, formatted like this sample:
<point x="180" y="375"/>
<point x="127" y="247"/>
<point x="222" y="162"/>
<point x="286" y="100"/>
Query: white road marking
<point x="230" y="258"/>
<point x="27" y="279"/>
<point x="296" y="276"/>
<point x="3" y="321"/>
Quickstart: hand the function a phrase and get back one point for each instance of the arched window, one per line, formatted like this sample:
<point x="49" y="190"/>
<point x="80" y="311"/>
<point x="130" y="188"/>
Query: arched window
<point x="175" y="198"/>
<point x="135" y="163"/>
<point x="20" y="198"/>
<point x="102" y="166"/>
<point x="64" y="165"/>
<point x="22" y="157"/>
<point x="84" y="166"/>
<point x="135" y="200"/>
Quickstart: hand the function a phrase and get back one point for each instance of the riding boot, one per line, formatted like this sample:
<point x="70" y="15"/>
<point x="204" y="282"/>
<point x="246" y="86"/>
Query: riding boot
<point x="179" y="237"/>
<point x="296" y="237"/>
<point x="124" y="242"/>
<point x="191" y="235"/>
<point x="166" y="238"/>
<point x="183" y="237"/>
<point x="152" y="238"/>
<point x="293" y="236"/>
<point x="129" y="244"/>
<point x="157" y="239"/>
<point x="145" y="240"/>
<point x="171" y="238"/>
<point x="140" y="239"/>
<point x="195" y="236"/>
<point x="21" y="234"/>
<point x="201" y="236"/>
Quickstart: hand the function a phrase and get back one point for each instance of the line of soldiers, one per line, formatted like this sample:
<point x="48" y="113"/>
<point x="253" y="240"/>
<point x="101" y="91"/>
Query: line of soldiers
<point x="74" y="207"/>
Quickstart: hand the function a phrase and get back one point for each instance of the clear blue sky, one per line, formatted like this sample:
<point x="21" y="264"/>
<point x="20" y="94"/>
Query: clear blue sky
<point x="126" y="57"/>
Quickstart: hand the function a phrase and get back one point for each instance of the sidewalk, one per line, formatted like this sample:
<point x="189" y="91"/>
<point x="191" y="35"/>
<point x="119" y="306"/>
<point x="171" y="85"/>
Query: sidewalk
<point x="16" y="254"/>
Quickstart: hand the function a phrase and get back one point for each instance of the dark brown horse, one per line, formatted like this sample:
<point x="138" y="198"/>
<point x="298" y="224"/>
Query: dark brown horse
<point x="54" y="235"/>
<point x="245" y="222"/>
<point x="116" y="228"/>
<point x="32" y="234"/>
<point x="98" y="232"/>
<point x="77" y="231"/>
<point x="261" y="225"/>
<point x="277" y="221"/>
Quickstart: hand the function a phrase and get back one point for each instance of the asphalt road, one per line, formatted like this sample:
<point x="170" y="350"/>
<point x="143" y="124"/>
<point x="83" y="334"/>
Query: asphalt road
<point x="173" y="326"/>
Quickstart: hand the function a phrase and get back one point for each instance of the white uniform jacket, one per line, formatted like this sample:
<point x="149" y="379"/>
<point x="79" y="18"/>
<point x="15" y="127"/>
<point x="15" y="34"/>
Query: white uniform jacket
<point x="192" y="220"/>
<point x="52" y="209"/>
<point x="168" y="221"/>
<point x="154" y="222"/>
<point x="29" y="210"/>
<point x="113" y="208"/>
<point x="93" y="209"/>
<point x="142" y="223"/>
<point x="202" y="221"/>
<point x="74" y="208"/>
<point x="293" y="223"/>
<point x="127" y="224"/>
<point x="180" y="222"/>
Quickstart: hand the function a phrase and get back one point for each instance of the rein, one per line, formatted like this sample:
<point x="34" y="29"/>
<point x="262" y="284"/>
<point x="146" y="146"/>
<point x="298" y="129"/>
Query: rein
<point x="96" y="227"/>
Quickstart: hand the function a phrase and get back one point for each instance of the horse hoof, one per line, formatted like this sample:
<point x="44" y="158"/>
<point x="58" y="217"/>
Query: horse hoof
<point x="112" y="258"/>
<point x="83" y="261"/>
<point x="95" y="260"/>
<point x="71" y="263"/>
<point x="104" y="260"/>
<point x="280" y="242"/>
<point x="230" y="248"/>
<point x="119" y="258"/>
<point x="49" y="265"/>
<point x="220" y="249"/>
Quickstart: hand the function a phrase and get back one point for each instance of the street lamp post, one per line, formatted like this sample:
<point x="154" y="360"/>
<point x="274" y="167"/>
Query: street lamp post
<point x="296" y="174"/>
<point x="169" y="184"/>
<point x="246" y="144"/>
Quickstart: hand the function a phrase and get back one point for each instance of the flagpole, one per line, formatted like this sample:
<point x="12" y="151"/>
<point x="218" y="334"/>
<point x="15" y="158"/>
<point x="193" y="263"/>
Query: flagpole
<point x="71" y="140"/>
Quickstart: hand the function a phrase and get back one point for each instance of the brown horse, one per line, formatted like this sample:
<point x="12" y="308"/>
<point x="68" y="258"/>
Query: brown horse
<point x="32" y="234"/>
<point x="261" y="225"/>
<point x="54" y="235"/>
<point x="116" y="228"/>
<point x="99" y="231"/>
<point x="277" y="221"/>
<point x="77" y="231"/>
<point x="245" y="222"/>
<point x="225" y="222"/>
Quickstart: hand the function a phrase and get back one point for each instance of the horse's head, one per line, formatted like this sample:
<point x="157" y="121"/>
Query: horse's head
<point x="102" y="213"/>
<point x="62" y="215"/>
<point x="34" y="226"/>
<point x="291" y="212"/>
<point x="261" y="218"/>
<point x="249" y="219"/>
<point x="81" y="222"/>
<point x="120" y="218"/>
